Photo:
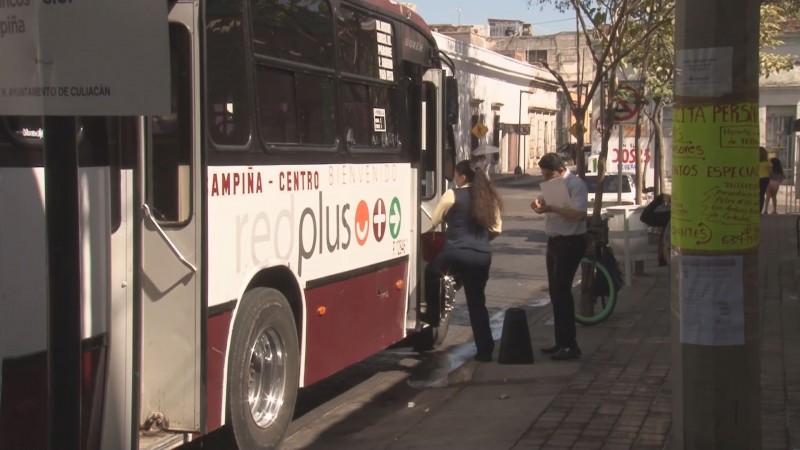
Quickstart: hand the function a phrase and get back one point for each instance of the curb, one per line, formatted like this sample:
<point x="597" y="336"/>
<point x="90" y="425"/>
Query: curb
<point x="463" y="374"/>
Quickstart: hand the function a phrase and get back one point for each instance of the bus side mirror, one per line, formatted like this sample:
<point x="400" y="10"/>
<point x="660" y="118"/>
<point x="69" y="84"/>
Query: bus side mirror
<point x="451" y="100"/>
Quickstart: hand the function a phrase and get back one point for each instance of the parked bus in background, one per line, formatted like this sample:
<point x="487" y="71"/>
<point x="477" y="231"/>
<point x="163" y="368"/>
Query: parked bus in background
<point x="265" y="234"/>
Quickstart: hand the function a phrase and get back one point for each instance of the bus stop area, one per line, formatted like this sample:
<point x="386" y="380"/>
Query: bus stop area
<point x="617" y="395"/>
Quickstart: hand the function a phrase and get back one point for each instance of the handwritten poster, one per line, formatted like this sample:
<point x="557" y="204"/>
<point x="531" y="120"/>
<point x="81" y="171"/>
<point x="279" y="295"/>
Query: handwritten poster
<point x="715" y="177"/>
<point x="712" y="300"/>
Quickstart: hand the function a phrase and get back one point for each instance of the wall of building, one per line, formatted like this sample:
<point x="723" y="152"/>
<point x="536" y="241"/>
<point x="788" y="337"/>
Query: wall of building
<point x="566" y="53"/>
<point x="502" y="93"/>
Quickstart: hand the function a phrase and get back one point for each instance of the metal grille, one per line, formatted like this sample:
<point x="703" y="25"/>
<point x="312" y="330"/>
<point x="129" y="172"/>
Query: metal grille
<point x="780" y="140"/>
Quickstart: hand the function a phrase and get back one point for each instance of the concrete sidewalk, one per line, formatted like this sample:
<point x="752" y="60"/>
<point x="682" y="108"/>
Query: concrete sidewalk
<point x="618" y="395"/>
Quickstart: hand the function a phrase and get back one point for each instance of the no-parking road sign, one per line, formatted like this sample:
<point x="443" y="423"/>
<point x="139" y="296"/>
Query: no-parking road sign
<point x="628" y="103"/>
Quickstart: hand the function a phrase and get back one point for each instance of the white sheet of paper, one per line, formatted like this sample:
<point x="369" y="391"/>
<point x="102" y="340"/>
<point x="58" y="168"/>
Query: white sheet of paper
<point x="712" y="300"/>
<point x="555" y="192"/>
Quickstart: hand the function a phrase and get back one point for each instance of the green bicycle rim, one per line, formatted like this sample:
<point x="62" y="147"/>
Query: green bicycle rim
<point x="610" y="303"/>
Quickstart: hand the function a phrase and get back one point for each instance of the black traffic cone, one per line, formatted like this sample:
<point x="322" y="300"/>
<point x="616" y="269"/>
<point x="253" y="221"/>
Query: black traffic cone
<point x="515" y="344"/>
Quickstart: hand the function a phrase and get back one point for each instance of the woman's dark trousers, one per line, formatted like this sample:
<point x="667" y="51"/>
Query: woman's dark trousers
<point x="564" y="255"/>
<point x="472" y="267"/>
<point x="763" y="183"/>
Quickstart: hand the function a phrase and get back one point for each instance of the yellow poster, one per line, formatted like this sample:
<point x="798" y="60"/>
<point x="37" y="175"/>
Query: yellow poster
<point x="715" y="177"/>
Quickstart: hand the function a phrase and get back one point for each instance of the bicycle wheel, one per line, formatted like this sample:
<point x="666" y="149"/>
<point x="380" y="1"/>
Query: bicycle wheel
<point x="603" y="293"/>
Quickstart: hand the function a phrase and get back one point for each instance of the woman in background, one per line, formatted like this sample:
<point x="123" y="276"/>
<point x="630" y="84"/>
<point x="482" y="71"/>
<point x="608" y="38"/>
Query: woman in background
<point x="472" y="214"/>
<point x="776" y="177"/>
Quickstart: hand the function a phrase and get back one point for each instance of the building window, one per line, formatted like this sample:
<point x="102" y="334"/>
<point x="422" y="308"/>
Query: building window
<point x="779" y="133"/>
<point x="535" y="56"/>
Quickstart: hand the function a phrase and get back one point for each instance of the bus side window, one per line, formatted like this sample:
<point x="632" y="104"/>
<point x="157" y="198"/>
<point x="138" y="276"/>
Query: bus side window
<point x="169" y="176"/>
<point x="294" y="31"/>
<point x="370" y="110"/>
<point x="228" y="117"/>
<point x="358" y="42"/>
<point x="355" y="114"/>
<point x="295" y="108"/>
<point x="276" y="105"/>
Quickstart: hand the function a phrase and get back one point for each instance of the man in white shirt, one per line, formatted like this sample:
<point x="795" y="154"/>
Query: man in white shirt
<point x="566" y="244"/>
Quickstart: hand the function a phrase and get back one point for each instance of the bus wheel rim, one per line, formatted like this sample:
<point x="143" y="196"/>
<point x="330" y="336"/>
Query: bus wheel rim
<point x="267" y="378"/>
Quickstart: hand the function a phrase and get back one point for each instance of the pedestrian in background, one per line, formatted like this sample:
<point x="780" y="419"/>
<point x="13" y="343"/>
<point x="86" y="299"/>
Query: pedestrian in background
<point x="480" y="162"/>
<point x="776" y="177"/>
<point x="472" y="214"/>
<point x="657" y="214"/>
<point x="566" y="244"/>
<point x="763" y="176"/>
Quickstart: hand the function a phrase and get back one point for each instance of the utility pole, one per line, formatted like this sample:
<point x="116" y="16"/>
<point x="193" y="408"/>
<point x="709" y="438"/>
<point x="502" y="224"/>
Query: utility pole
<point x="715" y="226"/>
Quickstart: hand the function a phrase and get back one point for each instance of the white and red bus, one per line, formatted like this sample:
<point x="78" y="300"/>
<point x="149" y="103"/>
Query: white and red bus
<point x="267" y="233"/>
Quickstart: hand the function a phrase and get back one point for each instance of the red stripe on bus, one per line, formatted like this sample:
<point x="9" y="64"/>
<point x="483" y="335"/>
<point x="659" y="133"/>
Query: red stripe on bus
<point x="218" y="327"/>
<point x="23" y="400"/>
<point x="350" y="320"/>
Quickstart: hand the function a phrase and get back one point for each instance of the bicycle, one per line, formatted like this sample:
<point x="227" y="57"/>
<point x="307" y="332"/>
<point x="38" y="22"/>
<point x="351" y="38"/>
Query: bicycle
<point x="606" y="281"/>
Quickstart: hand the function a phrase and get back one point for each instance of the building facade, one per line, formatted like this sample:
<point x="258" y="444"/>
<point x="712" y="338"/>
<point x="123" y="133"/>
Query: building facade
<point x="515" y="102"/>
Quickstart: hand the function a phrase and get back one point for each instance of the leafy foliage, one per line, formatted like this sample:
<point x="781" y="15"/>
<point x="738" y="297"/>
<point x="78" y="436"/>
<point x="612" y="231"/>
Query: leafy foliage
<point x="773" y="15"/>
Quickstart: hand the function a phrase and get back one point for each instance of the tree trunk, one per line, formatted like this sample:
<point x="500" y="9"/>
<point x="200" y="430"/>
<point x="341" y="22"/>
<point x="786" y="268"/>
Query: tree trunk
<point x="596" y="227"/>
<point x="637" y="148"/>
<point x="658" y="130"/>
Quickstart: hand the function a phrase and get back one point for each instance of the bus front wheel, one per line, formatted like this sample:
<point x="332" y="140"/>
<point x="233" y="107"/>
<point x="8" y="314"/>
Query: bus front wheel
<point x="264" y="369"/>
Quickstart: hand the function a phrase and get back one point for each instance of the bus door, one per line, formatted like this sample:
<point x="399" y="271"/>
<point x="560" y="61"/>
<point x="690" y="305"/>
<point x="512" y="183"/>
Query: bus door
<point x="432" y="167"/>
<point x="170" y="279"/>
<point x="436" y="168"/>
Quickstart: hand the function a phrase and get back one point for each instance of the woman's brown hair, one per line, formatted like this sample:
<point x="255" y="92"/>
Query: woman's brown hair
<point x="486" y="202"/>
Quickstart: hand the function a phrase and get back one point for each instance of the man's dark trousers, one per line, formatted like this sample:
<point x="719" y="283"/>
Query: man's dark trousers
<point x="564" y="255"/>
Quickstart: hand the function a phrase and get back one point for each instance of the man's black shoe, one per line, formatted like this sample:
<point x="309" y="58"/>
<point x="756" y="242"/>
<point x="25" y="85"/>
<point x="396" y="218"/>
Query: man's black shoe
<point x="550" y="350"/>
<point x="566" y="353"/>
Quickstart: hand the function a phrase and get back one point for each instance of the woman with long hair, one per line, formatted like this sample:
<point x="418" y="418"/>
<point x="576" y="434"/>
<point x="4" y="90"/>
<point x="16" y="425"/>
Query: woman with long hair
<point x="472" y="213"/>
<point x="776" y="177"/>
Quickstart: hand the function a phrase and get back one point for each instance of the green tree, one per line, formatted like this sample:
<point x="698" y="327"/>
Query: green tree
<point x="606" y="27"/>
<point x="773" y="16"/>
<point x="654" y="62"/>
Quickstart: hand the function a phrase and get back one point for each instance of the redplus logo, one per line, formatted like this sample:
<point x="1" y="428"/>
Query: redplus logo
<point x="379" y="220"/>
<point x="362" y="223"/>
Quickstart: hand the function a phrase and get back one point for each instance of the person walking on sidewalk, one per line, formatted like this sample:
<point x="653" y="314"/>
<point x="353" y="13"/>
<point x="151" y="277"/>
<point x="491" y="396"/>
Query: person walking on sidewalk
<point x="657" y="214"/>
<point x="763" y="176"/>
<point x="472" y="214"/>
<point x="776" y="177"/>
<point x="566" y="230"/>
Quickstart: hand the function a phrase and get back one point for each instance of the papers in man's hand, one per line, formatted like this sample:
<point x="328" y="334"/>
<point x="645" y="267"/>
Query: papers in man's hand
<point x="555" y="193"/>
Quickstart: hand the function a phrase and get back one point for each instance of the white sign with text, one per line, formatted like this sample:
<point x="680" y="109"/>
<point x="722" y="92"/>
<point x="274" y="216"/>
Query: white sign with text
<point x="82" y="57"/>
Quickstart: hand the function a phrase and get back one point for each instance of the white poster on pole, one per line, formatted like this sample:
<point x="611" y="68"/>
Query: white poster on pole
<point x="712" y="300"/>
<point x="704" y="72"/>
<point x="81" y="57"/>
